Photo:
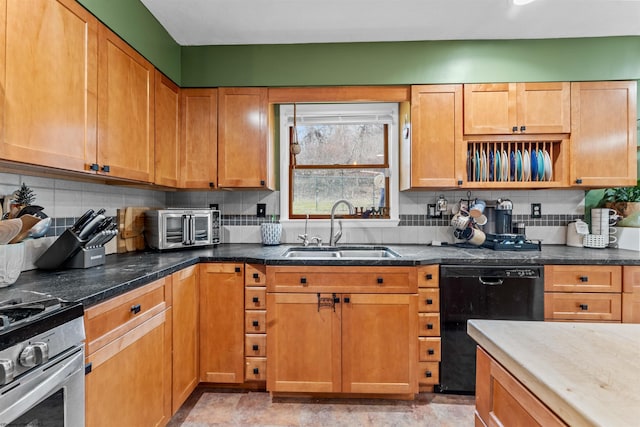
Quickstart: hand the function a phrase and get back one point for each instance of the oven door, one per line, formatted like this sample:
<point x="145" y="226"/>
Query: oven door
<point x="49" y="395"/>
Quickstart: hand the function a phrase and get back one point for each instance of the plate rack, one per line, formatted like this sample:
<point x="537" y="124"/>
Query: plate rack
<point x="502" y="162"/>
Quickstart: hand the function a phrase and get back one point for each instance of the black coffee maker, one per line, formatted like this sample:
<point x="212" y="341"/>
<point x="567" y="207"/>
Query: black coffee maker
<point x="503" y="214"/>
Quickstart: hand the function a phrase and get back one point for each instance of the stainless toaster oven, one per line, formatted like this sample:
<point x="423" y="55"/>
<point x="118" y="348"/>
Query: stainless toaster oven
<point x="181" y="228"/>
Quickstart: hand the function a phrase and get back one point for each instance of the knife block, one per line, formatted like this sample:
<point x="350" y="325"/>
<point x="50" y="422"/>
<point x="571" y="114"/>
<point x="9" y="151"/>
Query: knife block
<point x="86" y="258"/>
<point x="65" y="247"/>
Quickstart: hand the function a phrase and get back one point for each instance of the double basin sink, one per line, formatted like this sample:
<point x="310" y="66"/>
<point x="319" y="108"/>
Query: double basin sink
<point x="343" y="252"/>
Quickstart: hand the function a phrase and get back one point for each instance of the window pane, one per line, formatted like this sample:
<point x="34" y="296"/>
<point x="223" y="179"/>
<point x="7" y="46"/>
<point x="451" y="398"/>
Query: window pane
<point x="316" y="190"/>
<point x="341" y="144"/>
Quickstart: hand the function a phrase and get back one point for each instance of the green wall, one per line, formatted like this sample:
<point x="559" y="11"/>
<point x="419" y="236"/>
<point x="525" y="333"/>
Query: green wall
<point x="610" y="58"/>
<point x="134" y="23"/>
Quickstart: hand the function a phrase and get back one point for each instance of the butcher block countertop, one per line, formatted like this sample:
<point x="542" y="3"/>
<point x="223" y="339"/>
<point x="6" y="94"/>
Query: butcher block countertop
<point x="587" y="373"/>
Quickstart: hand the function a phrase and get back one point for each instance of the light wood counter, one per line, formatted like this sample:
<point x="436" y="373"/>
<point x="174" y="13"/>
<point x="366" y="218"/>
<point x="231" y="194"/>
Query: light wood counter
<point x="587" y="373"/>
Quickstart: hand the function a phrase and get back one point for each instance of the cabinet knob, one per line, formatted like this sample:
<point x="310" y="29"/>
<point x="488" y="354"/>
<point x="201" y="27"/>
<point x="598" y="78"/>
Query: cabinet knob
<point x="579" y="181"/>
<point x="514" y="129"/>
<point x="135" y="309"/>
<point x="428" y="374"/>
<point x="106" y="168"/>
<point x="523" y="128"/>
<point x="584" y="307"/>
<point x="584" y="278"/>
<point x="347" y="300"/>
<point x="429" y="325"/>
<point x="237" y="269"/>
<point x="255" y="347"/>
<point x="303" y="280"/>
<point x="428" y="276"/>
<point x="262" y="183"/>
<point x="459" y="182"/>
<point x="256" y="371"/>
<point x="94" y="167"/>
<point x="431" y="352"/>
<point x="212" y="185"/>
<point x="256" y="276"/>
<point x="255" y="323"/>
<point x="379" y="280"/>
<point x="256" y="300"/>
<point x="428" y="301"/>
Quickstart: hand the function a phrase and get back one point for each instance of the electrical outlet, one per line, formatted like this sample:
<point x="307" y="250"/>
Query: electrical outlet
<point x="432" y="212"/>
<point x="262" y="210"/>
<point x="536" y="210"/>
<point x="214" y="206"/>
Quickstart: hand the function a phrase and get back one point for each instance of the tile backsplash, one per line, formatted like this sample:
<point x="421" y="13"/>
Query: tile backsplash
<point x="65" y="200"/>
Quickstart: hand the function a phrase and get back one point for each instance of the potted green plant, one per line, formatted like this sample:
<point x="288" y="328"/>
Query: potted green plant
<point x="625" y="200"/>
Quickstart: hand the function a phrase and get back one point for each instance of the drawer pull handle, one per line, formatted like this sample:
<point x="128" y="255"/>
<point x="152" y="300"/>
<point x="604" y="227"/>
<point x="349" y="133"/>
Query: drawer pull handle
<point x="303" y="280"/>
<point x="347" y="300"/>
<point x="431" y="352"/>
<point x="256" y="276"/>
<point x="584" y="278"/>
<point x="256" y="299"/>
<point x="237" y="269"/>
<point x="380" y="280"/>
<point x="135" y="309"/>
<point x="429" y="301"/>
<point x="429" y="325"/>
<point x="256" y="371"/>
<point x="255" y="323"/>
<point x="429" y="276"/>
<point x="428" y="374"/>
<point x="255" y="347"/>
<point x="584" y="307"/>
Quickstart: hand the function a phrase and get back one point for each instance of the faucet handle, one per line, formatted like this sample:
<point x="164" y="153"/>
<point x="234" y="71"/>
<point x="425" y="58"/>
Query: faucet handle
<point x="303" y="237"/>
<point x="317" y="239"/>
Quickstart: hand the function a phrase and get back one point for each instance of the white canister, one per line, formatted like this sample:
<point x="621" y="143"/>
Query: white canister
<point x="271" y="232"/>
<point x="11" y="261"/>
<point x="575" y="233"/>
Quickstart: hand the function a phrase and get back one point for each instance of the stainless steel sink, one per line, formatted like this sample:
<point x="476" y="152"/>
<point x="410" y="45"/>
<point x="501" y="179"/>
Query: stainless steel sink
<point x="344" y="252"/>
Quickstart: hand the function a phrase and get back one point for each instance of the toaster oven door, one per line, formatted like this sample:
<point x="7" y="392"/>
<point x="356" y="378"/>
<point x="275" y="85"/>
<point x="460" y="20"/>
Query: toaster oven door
<point x="201" y="229"/>
<point x="174" y="230"/>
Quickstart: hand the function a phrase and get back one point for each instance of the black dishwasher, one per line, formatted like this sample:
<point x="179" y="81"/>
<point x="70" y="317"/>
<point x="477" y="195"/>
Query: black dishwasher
<point x="481" y="292"/>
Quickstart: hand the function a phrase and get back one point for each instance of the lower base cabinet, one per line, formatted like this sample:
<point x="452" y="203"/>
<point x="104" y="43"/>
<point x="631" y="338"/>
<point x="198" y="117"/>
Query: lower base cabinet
<point x="501" y="400"/>
<point x="342" y="343"/>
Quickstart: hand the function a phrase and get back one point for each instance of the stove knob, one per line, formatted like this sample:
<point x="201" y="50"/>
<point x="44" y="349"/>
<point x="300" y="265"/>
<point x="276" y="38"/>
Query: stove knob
<point x="6" y="371"/>
<point x="34" y="354"/>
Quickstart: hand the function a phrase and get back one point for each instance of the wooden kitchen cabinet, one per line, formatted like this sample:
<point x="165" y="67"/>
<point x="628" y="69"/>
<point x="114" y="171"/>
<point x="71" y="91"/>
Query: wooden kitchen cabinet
<point x="429" y="342"/>
<point x="433" y="156"/>
<point x="185" y="319"/>
<point x="631" y="294"/>
<point x="516" y="108"/>
<point x="341" y="342"/>
<point x="502" y="400"/>
<point x="583" y="292"/>
<point x="126" y="142"/>
<point x="49" y="81"/>
<point x="199" y="138"/>
<point x="245" y="152"/>
<point x="222" y="319"/>
<point x="128" y="356"/>
<point x="167" y="131"/>
<point x="603" y="134"/>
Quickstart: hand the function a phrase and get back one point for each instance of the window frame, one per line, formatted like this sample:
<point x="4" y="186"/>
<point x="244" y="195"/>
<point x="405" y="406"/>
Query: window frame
<point x="342" y="109"/>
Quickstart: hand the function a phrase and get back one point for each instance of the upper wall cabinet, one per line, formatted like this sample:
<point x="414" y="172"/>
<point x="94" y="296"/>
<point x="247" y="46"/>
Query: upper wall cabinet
<point x="603" y="133"/>
<point x="199" y="138"/>
<point x="516" y="108"/>
<point x="167" y="133"/>
<point x="436" y="116"/>
<point x="48" y="83"/>
<point x="245" y="152"/>
<point x="125" y="110"/>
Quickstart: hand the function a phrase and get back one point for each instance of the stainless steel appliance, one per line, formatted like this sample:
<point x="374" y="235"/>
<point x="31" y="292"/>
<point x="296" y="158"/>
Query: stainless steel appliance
<point x="481" y="292"/>
<point x="181" y="228"/>
<point x="41" y="362"/>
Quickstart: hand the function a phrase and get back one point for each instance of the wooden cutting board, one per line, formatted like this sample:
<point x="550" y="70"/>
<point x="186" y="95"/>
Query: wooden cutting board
<point x="131" y="229"/>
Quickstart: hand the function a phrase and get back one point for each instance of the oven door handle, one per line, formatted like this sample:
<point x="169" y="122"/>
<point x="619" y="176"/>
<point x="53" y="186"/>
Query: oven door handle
<point x="484" y="282"/>
<point x="42" y="382"/>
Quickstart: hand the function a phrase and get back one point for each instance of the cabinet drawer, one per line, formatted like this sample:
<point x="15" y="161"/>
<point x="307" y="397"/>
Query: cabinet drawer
<point x="582" y="278"/>
<point x="341" y="279"/>
<point x="428" y="300"/>
<point x="255" y="275"/>
<point x="255" y="298"/>
<point x="429" y="349"/>
<point x="115" y="317"/>
<point x="429" y="324"/>
<point x="255" y="321"/>
<point x="428" y="373"/>
<point x="255" y="345"/>
<point x="255" y="369"/>
<point x="582" y="306"/>
<point x="429" y="276"/>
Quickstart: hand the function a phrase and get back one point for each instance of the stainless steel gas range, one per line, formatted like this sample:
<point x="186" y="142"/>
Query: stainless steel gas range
<point x="41" y="361"/>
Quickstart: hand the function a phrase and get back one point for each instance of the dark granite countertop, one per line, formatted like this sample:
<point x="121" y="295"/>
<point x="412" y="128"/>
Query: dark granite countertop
<point x="123" y="272"/>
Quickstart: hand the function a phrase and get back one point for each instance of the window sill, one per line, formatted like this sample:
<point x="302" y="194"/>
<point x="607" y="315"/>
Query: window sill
<point x="346" y="223"/>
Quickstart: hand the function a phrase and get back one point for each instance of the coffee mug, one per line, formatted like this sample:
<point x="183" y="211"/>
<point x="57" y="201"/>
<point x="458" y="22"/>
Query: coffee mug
<point x="612" y="230"/>
<point x="465" y="234"/>
<point x="613" y="239"/>
<point x="460" y="221"/>
<point x="481" y="220"/>
<point x="477" y="237"/>
<point x="477" y="208"/>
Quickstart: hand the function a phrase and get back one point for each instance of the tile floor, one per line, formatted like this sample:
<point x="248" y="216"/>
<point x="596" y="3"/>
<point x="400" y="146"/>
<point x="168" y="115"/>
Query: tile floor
<point x="207" y="407"/>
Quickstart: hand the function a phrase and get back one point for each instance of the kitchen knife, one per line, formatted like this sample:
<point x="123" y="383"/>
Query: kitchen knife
<point x="94" y="241"/>
<point x="80" y="222"/>
<point x="91" y="226"/>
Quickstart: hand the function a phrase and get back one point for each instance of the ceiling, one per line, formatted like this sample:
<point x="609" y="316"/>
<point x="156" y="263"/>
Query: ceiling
<point x="230" y="22"/>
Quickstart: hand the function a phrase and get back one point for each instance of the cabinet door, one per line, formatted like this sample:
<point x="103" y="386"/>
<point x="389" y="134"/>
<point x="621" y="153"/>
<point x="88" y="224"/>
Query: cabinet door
<point x="185" y="335"/>
<point x="631" y="294"/>
<point x="436" y="115"/>
<point x="303" y="343"/>
<point x="242" y="138"/>
<point x="199" y="138"/>
<point x="49" y="83"/>
<point x="379" y="345"/>
<point x="221" y="323"/>
<point x="125" y="110"/>
<point x="603" y="133"/>
<point x="490" y="108"/>
<point x="544" y="107"/>
<point x="130" y="379"/>
<point x="167" y="133"/>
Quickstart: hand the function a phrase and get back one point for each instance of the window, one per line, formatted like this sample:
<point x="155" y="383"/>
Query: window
<point x="346" y="152"/>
